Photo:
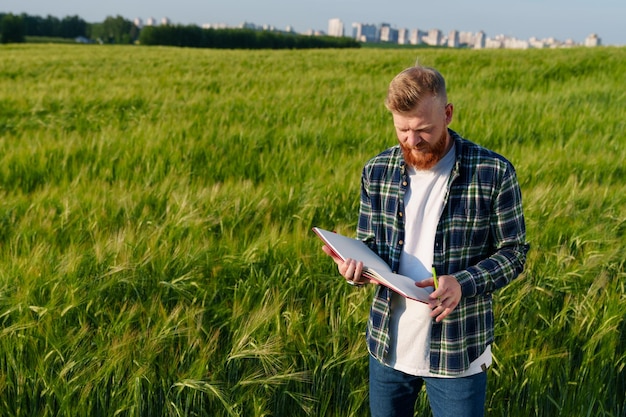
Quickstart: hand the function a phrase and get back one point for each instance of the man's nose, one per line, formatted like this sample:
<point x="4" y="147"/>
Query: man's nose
<point x="413" y="138"/>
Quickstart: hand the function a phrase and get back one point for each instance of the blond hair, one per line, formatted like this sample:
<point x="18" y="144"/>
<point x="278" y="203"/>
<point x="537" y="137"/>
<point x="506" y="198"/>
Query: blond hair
<point x="408" y="88"/>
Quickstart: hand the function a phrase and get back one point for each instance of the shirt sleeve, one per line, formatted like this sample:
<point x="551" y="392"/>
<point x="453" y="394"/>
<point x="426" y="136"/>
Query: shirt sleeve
<point x="364" y="228"/>
<point x="508" y="236"/>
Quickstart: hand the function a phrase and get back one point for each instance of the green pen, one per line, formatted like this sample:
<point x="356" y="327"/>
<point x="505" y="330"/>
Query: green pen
<point x="435" y="278"/>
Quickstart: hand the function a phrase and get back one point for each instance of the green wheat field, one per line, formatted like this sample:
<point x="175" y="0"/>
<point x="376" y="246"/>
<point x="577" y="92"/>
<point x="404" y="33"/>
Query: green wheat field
<point x="156" y="205"/>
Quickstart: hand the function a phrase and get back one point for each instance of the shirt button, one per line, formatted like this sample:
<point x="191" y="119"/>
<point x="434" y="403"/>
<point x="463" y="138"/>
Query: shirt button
<point x="400" y="214"/>
<point x="404" y="183"/>
<point x="401" y="242"/>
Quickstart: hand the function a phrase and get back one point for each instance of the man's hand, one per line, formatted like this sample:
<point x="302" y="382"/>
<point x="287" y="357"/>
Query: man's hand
<point x="350" y="269"/>
<point x="444" y="299"/>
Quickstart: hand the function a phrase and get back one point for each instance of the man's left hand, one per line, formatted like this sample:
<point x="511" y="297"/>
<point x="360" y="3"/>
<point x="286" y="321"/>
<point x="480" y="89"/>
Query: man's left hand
<point x="444" y="299"/>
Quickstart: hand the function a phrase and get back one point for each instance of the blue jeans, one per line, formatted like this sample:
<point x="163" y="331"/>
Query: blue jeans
<point x="394" y="393"/>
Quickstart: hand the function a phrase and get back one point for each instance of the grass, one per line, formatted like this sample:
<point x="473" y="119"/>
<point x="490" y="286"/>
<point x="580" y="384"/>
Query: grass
<point x="156" y="256"/>
<point x="50" y="40"/>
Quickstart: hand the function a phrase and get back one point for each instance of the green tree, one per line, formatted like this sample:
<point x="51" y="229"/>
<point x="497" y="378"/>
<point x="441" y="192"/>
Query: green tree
<point x="114" y="30"/>
<point x="73" y="26"/>
<point x="12" y="29"/>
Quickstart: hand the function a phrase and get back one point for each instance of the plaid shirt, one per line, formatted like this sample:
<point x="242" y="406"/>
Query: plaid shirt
<point x="480" y="240"/>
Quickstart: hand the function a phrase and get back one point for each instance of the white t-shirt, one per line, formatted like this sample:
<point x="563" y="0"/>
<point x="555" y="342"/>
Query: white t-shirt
<point x="410" y="320"/>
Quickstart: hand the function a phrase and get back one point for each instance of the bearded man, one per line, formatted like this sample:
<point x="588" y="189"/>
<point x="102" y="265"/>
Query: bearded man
<point x="435" y="204"/>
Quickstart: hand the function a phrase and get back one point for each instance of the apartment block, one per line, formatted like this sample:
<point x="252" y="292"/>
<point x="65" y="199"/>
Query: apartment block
<point x="335" y="28"/>
<point x="385" y="32"/>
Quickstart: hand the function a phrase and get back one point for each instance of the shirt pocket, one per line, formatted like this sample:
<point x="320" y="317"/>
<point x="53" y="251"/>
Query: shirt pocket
<point x="470" y="225"/>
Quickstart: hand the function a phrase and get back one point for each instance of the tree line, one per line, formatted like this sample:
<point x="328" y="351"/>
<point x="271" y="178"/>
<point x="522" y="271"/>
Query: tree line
<point x="118" y="30"/>
<point x="196" y="37"/>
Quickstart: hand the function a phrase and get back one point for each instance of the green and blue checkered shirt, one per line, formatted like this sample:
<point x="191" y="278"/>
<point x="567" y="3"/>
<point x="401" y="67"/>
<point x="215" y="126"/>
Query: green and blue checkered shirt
<point x="480" y="240"/>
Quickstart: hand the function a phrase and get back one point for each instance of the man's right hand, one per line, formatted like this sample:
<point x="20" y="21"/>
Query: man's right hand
<point x="350" y="269"/>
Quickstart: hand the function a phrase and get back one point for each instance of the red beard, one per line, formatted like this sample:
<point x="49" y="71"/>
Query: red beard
<point x="426" y="155"/>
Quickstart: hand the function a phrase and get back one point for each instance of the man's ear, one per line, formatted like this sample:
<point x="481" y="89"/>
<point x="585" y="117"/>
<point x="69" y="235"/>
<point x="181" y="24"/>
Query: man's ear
<point x="449" y="113"/>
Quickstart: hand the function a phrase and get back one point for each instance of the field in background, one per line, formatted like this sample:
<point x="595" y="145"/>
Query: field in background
<point x="156" y="256"/>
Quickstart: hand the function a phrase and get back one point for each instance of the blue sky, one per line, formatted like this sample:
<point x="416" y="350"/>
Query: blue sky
<point x="561" y="19"/>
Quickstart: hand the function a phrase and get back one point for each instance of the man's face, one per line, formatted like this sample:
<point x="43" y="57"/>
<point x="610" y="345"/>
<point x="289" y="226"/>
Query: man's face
<point x="423" y="133"/>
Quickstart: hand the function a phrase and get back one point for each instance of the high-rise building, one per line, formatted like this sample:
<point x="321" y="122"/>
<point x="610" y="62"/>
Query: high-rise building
<point x="453" y="39"/>
<point x="593" y="40"/>
<point x="434" y="37"/>
<point x="416" y="37"/>
<point x="466" y="39"/>
<point x="335" y="28"/>
<point x="403" y="36"/>
<point x="388" y="34"/>
<point x="480" y="40"/>
<point x="364" y="32"/>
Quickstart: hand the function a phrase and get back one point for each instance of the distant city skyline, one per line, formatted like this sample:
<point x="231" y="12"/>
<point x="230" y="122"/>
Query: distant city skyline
<point x="523" y="19"/>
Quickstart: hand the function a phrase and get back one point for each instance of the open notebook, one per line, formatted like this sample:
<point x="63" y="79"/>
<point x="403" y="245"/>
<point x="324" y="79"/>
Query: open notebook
<point x="374" y="267"/>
